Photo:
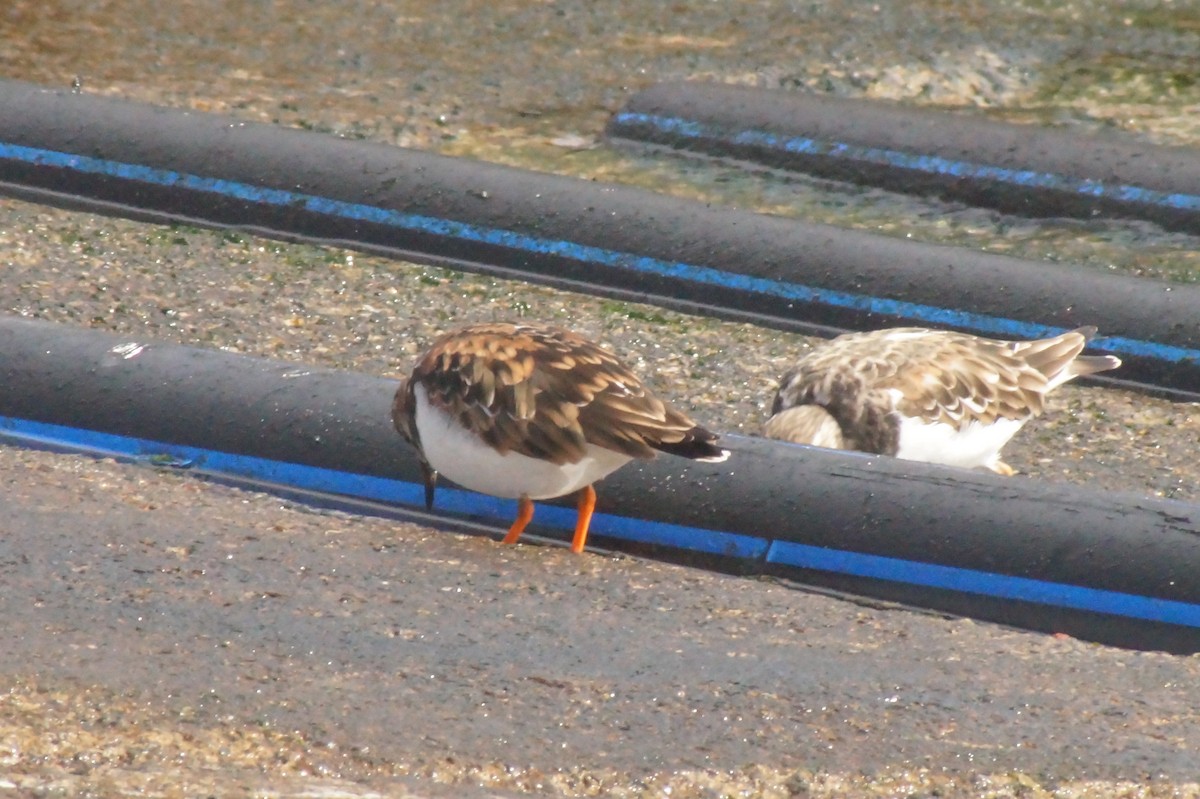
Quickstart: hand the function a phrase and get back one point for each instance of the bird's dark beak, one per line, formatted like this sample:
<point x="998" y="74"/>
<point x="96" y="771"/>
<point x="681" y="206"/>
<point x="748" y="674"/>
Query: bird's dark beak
<point x="431" y="476"/>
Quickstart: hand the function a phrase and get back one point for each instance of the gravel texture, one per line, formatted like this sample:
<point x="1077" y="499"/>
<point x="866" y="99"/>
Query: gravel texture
<point x="532" y="84"/>
<point x="270" y="650"/>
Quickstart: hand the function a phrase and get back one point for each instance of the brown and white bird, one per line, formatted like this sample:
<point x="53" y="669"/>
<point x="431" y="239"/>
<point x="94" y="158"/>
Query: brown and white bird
<point x="533" y="412"/>
<point x="926" y="395"/>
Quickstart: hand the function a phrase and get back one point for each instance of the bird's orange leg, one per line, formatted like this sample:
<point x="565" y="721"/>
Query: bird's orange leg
<point x="524" y="514"/>
<point x="587" y="504"/>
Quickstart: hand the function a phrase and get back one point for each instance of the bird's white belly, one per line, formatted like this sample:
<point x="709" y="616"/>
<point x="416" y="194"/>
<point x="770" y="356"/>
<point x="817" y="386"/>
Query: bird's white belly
<point x="970" y="447"/>
<point x="461" y="456"/>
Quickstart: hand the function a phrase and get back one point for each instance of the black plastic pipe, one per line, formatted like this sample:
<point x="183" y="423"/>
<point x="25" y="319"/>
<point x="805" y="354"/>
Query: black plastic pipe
<point x="1023" y="169"/>
<point x="168" y="165"/>
<point x="1111" y="568"/>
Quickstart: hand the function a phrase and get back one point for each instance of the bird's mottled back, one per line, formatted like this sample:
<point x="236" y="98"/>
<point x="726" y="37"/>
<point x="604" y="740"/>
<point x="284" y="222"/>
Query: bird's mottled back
<point x="545" y="392"/>
<point x="870" y="383"/>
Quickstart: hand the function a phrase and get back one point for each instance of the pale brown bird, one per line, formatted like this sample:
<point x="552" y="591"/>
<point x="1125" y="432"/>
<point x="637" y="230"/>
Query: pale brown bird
<point x="926" y="395"/>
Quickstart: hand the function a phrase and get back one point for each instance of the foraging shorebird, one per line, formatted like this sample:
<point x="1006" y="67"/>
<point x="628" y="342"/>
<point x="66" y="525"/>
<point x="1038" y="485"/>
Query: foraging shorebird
<point x="926" y="395"/>
<point x="532" y="412"/>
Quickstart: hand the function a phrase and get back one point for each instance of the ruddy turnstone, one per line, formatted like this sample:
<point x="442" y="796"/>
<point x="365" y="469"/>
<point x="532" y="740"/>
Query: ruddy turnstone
<point x="926" y="395"/>
<point x="532" y="412"/>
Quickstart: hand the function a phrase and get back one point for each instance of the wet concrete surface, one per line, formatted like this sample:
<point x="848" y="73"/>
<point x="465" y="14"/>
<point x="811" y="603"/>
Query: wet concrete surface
<point x="168" y="637"/>
<point x="364" y="651"/>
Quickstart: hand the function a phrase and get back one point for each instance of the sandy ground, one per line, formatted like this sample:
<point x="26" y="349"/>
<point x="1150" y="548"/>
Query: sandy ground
<point x="168" y="637"/>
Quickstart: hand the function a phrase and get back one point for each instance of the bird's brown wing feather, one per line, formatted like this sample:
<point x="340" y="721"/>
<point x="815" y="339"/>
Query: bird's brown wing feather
<point x="546" y="393"/>
<point x="946" y="377"/>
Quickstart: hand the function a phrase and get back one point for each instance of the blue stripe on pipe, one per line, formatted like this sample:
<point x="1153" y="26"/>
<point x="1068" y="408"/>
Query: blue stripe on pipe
<point x="380" y="489"/>
<point x="951" y="578"/>
<point x="42" y="434"/>
<point x="932" y="164"/>
<point x="928" y="314"/>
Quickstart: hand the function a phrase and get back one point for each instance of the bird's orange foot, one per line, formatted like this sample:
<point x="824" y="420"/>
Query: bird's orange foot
<point x="587" y="504"/>
<point x="524" y="514"/>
